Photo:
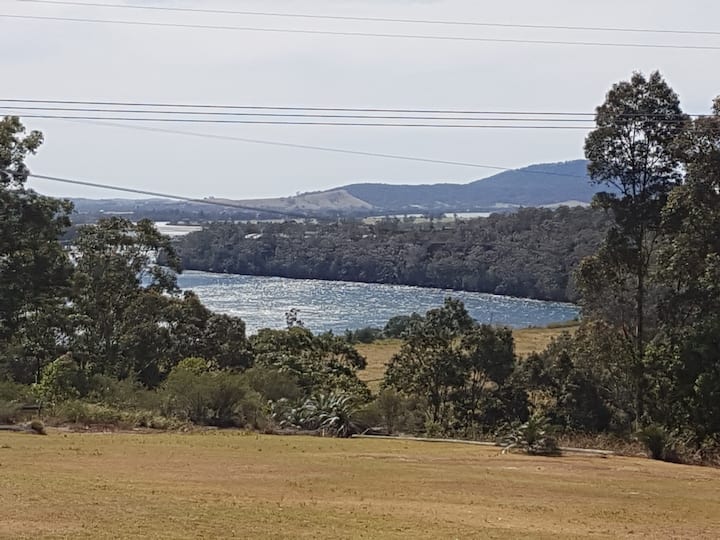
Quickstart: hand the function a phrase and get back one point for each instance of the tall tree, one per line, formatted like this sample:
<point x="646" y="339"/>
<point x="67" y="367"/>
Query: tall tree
<point x="688" y="356"/>
<point x="34" y="269"/>
<point x="114" y="276"/>
<point x="632" y="151"/>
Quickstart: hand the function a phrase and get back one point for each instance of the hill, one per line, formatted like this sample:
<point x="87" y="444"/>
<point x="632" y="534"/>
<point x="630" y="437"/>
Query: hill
<point x="537" y="185"/>
<point x="549" y="184"/>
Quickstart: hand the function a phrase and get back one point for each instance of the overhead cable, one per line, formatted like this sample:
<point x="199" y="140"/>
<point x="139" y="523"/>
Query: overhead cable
<point x="299" y="31"/>
<point x="381" y="19"/>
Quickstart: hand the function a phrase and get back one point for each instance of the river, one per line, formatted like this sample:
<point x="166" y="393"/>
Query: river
<point x="337" y="305"/>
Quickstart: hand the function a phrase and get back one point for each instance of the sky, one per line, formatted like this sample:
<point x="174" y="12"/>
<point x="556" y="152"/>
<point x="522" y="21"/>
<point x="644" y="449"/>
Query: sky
<point x="94" y="62"/>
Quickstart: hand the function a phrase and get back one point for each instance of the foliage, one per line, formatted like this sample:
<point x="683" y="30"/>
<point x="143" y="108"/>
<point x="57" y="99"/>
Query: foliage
<point x="533" y="437"/>
<point x="62" y="380"/>
<point x="364" y="335"/>
<point x="273" y="384"/>
<point x="319" y="363"/>
<point x="34" y="269"/>
<point x="332" y="414"/>
<point x="398" y="325"/>
<point x="633" y="150"/>
<point x="219" y="398"/>
<point x="530" y="253"/>
<point x="659" y="443"/>
<point x="459" y="368"/>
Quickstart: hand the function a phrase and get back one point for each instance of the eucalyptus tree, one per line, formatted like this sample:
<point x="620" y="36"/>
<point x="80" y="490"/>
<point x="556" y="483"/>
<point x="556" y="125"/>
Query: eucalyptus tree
<point x="632" y="151"/>
<point x="34" y="269"/>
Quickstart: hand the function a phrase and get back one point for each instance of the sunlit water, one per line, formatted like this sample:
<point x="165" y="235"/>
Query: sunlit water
<point x="337" y="305"/>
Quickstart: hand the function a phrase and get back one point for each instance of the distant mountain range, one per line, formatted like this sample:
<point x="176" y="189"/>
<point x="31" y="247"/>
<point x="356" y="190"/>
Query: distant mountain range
<point x="548" y="184"/>
<point x="536" y="185"/>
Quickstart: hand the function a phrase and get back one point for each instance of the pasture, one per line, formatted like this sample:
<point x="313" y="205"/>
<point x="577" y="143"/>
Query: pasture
<point x="218" y="484"/>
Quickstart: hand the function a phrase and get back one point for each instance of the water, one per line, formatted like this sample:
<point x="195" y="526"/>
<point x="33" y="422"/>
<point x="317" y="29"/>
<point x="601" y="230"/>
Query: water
<point x="175" y="231"/>
<point x="337" y="305"/>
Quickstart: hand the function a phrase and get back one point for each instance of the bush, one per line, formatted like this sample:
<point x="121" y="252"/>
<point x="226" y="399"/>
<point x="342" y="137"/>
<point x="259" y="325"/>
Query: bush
<point x="14" y="392"/>
<point x="397" y="326"/>
<point x="272" y="384"/>
<point x="533" y="437"/>
<point x="12" y="397"/>
<point x="332" y="413"/>
<point x="122" y="394"/>
<point x="368" y="334"/>
<point x="217" y="398"/>
<point x="61" y="380"/>
<point x="87" y="414"/>
<point x="658" y="442"/>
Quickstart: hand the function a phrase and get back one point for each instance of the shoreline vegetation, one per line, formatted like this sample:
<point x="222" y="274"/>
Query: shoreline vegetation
<point x="531" y="253"/>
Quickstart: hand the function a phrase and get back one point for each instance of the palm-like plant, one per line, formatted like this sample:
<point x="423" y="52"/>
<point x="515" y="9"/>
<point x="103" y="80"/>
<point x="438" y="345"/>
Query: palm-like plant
<point x="332" y="413"/>
<point x="533" y="437"/>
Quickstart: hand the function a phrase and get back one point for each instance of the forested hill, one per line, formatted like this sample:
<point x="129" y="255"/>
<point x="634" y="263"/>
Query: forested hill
<point x="536" y="185"/>
<point x="531" y="253"/>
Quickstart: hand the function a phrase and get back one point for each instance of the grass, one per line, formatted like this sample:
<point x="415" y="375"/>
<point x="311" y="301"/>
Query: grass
<point x="527" y="340"/>
<point x="229" y="484"/>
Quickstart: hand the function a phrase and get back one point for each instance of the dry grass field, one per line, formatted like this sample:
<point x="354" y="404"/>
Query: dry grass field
<point x="378" y="354"/>
<point x="234" y="485"/>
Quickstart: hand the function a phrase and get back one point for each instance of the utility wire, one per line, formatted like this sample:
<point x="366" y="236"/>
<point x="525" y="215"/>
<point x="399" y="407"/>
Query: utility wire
<point x="364" y="34"/>
<point x="329" y="149"/>
<point x="564" y="118"/>
<point x="380" y="19"/>
<point x="294" y="115"/>
<point x="291" y="122"/>
<point x="168" y="196"/>
<point x="331" y="109"/>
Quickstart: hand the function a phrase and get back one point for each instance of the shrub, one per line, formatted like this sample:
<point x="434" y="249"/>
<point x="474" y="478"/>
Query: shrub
<point x="533" y="437"/>
<point x="332" y="413"/>
<point x="368" y="334"/>
<point x="397" y="326"/>
<point x="79" y="412"/>
<point x="61" y="380"/>
<point x="272" y="384"/>
<point x="390" y="405"/>
<point x="14" y="392"/>
<point x="658" y="442"/>
<point x="123" y="394"/>
<point x="217" y="398"/>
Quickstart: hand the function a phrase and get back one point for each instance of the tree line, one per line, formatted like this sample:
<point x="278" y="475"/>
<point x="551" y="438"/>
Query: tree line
<point x="530" y="253"/>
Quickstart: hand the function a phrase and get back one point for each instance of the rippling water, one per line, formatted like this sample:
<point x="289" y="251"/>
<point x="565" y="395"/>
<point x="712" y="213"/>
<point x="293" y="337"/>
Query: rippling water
<point x="335" y="305"/>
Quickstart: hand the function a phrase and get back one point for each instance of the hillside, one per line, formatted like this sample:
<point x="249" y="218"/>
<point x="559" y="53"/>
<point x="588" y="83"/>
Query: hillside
<point x="548" y="184"/>
<point x="536" y="185"/>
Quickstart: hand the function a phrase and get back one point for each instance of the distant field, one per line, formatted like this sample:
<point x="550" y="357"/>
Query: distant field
<point x="378" y="354"/>
<point x="231" y="485"/>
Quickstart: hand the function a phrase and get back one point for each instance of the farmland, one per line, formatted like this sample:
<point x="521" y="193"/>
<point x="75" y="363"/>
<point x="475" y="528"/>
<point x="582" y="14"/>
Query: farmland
<point x="229" y="484"/>
<point x="379" y="353"/>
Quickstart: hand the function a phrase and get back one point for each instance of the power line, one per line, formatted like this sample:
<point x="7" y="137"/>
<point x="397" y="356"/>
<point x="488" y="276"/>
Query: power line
<point x="364" y="34"/>
<point x="330" y="149"/>
<point x="167" y="196"/>
<point x="563" y="118"/>
<point x="294" y="114"/>
<point x="326" y="109"/>
<point x="293" y="122"/>
<point x="381" y="19"/>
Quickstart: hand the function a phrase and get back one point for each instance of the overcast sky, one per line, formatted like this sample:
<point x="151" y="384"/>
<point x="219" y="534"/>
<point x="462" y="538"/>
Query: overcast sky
<point x="76" y="61"/>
